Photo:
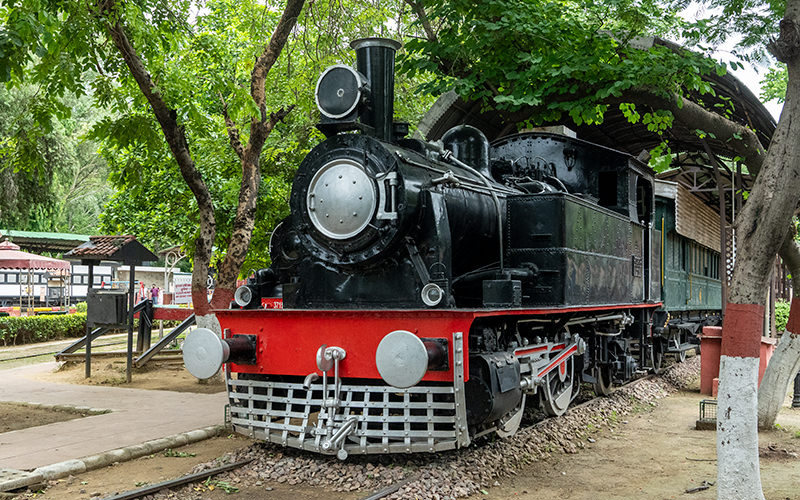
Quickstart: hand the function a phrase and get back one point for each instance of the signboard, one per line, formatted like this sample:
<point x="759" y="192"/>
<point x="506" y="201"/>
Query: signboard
<point x="183" y="289"/>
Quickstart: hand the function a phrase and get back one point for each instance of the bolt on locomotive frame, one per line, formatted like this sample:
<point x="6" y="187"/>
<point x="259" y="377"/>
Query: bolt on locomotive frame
<point x="423" y="293"/>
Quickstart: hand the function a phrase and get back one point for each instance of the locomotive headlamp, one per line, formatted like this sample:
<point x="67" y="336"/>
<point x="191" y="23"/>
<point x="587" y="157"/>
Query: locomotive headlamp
<point x="340" y="89"/>
<point x="243" y="296"/>
<point x="432" y="294"/>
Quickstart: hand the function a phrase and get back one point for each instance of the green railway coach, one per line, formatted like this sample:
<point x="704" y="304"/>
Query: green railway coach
<point x="691" y="289"/>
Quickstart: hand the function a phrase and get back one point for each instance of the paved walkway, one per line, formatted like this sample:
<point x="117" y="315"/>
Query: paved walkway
<point x="136" y="416"/>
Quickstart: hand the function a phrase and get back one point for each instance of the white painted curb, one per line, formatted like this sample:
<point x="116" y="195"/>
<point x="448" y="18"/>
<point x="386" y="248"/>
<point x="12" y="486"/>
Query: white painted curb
<point x="80" y="465"/>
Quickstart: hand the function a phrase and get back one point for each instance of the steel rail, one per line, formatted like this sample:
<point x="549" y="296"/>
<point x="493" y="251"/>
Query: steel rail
<point x="190" y="478"/>
<point x="392" y="488"/>
<point x="54" y="352"/>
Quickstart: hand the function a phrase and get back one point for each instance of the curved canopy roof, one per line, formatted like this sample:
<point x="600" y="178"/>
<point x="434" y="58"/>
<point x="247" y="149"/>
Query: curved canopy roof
<point x="615" y="131"/>
<point x="11" y="257"/>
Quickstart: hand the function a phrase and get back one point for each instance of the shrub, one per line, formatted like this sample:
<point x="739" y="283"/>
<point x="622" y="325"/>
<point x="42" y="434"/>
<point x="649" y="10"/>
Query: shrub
<point x="80" y="307"/>
<point x="26" y="329"/>
<point x="781" y="315"/>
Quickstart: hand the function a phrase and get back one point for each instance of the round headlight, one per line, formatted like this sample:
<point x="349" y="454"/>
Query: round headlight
<point x="243" y="296"/>
<point x="432" y="294"/>
<point x="401" y="359"/>
<point x="339" y="91"/>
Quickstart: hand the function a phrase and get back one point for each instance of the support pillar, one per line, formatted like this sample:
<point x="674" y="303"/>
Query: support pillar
<point x="796" y="398"/>
<point x="723" y="220"/>
<point x="88" y="361"/>
<point x="131" y="292"/>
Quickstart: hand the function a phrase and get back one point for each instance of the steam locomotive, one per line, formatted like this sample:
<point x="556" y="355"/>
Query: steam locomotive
<point x="421" y="294"/>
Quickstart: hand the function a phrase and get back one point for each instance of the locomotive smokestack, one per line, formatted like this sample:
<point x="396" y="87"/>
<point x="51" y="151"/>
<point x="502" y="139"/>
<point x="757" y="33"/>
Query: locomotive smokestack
<point x="375" y="60"/>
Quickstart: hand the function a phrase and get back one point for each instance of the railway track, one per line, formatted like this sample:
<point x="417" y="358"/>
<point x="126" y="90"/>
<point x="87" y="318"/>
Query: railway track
<point x="172" y="483"/>
<point x="591" y="411"/>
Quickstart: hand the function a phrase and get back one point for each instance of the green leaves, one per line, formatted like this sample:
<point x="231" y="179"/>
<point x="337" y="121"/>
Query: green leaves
<point x="773" y="85"/>
<point x="553" y="59"/>
<point x="661" y="157"/>
<point x="658" y="121"/>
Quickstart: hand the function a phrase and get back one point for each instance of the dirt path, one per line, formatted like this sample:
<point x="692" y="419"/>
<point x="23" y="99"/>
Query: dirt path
<point x="155" y="375"/>
<point x="15" y="416"/>
<point x="651" y="455"/>
<point x="656" y="455"/>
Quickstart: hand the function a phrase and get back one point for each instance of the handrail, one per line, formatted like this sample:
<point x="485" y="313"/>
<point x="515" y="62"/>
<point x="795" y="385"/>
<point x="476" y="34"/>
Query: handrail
<point x="97" y="332"/>
<point x="147" y="355"/>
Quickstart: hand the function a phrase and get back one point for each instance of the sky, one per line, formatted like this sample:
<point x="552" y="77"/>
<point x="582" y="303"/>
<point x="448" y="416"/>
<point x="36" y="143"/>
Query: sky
<point x="750" y="75"/>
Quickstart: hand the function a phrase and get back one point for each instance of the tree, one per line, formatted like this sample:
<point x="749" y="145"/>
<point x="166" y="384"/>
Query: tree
<point x="222" y="38"/>
<point x="785" y="361"/>
<point x="261" y="124"/>
<point x="193" y="93"/>
<point x="34" y="42"/>
<point x="51" y="179"/>
<point x="540" y="62"/>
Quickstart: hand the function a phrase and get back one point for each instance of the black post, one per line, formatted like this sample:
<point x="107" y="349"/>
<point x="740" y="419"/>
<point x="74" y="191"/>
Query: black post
<point x="131" y="291"/>
<point x="145" y="327"/>
<point x="88" y="373"/>
<point x="148" y="332"/>
<point x="796" y="398"/>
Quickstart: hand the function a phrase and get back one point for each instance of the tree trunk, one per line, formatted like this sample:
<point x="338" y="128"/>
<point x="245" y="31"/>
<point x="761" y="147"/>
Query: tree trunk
<point x="759" y="228"/>
<point x="785" y="361"/>
<point x="175" y="136"/>
<point x="260" y="128"/>
<point x="176" y="140"/>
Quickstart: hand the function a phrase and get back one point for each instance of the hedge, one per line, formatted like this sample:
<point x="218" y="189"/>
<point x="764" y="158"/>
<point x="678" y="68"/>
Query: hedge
<point x="781" y="315"/>
<point x="26" y="329"/>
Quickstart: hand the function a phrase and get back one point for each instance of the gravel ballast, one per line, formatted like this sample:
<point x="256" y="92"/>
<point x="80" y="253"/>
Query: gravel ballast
<point x="458" y="473"/>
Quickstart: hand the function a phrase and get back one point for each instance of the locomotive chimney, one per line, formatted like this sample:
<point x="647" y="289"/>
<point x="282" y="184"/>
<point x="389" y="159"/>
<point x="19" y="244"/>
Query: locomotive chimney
<point x="375" y="60"/>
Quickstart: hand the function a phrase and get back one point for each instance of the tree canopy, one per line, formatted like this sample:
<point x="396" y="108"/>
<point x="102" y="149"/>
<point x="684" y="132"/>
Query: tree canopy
<point x="200" y="56"/>
<point x="51" y="177"/>
<point x="555" y="58"/>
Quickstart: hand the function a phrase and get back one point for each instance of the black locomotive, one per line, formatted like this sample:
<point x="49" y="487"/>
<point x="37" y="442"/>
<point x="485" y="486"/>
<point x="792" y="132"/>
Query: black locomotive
<point x="446" y="285"/>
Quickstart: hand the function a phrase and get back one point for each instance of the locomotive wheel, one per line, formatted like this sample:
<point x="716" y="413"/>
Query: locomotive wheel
<point x="509" y="425"/>
<point x="676" y="339"/>
<point x="657" y="356"/>
<point x="604" y="381"/>
<point x="558" y="391"/>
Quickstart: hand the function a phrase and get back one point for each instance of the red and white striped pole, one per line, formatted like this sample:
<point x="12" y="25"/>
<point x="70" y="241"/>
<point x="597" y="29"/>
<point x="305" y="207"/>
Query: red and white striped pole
<point x="738" y="475"/>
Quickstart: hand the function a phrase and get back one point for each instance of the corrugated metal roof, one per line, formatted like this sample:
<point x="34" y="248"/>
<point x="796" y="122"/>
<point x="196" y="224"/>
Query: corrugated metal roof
<point x="11" y="233"/>
<point x="615" y="131"/>
<point x="39" y="241"/>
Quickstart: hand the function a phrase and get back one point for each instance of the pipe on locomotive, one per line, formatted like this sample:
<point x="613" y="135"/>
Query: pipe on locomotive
<point x="449" y="156"/>
<point x="375" y="59"/>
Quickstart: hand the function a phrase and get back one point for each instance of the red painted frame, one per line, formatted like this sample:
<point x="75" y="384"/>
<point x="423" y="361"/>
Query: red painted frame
<point x="288" y="339"/>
